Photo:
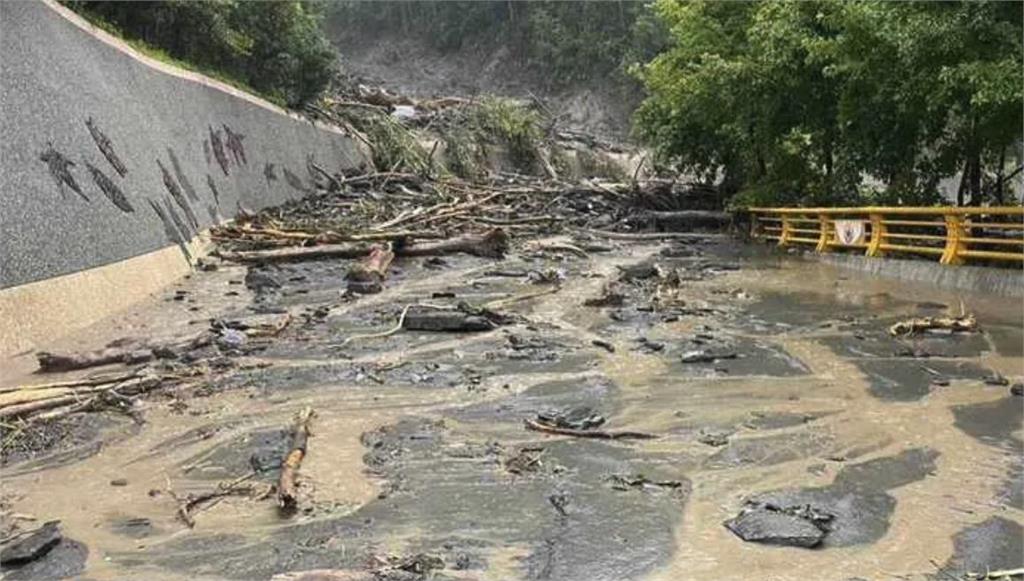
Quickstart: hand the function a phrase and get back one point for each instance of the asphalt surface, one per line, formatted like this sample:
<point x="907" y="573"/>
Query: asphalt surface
<point x="53" y="78"/>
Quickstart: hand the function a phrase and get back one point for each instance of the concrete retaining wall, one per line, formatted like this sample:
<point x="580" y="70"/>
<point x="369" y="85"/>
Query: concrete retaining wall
<point x="113" y="163"/>
<point x="169" y="129"/>
<point x="982" y="279"/>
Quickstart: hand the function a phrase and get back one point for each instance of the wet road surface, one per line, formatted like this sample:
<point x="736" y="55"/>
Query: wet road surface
<point x="418" y="446"/>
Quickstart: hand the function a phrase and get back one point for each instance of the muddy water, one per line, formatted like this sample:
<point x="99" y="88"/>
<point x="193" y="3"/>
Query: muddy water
<point x="414" y="430"/>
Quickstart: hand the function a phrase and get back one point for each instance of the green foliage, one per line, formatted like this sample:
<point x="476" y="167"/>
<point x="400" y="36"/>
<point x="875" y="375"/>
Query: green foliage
<point x="277" y="48"/>
<point x="515" y="126"/>
<point x="796" y="102"/>
<point x="395" y="148"/>
<point x="462" y="154"/>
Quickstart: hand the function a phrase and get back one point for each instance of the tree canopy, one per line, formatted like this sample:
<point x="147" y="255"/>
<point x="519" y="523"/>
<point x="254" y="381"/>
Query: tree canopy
<point x="277" y="48"/>
<point x="805" y="102"/>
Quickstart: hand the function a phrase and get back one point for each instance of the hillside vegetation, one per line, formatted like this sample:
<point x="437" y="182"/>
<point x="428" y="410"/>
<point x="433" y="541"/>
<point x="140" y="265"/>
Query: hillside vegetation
<point x="776" y="102"/>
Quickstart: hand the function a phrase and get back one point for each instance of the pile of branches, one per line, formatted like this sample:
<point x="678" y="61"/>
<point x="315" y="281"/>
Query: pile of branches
<point x="403" y="207"/>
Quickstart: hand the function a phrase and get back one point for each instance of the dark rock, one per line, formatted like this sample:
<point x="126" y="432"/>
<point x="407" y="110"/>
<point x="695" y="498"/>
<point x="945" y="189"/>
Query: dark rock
<point x="1017" y="389"/>
<point x="640" y="271"/>
<point x="604" y="345"/>
<point x="706" y="356"/>
<point x="996" y="378"/>
<point x="462" y="319"/>
<point x="763" y="524"/>
<point x="119" y="482"/>
<point x="713" y="438"/>
<point x="577" y="418"/>
<point x="31" y="546"/>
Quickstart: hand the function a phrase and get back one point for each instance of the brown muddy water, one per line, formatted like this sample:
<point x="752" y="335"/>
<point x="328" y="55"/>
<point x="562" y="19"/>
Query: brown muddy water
<point x="918" y="459"/>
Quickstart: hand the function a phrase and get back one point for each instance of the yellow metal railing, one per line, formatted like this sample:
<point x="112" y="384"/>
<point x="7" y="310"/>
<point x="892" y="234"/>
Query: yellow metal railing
<point x="954" y="235"/>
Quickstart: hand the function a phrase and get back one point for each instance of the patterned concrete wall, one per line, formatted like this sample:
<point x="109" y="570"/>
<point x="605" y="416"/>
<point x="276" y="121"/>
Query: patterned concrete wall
<point x="106" y="156"/>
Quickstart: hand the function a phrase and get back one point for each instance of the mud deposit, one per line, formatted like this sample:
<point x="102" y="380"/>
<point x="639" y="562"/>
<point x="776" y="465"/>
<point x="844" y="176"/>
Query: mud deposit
<point x="768" y="381"/>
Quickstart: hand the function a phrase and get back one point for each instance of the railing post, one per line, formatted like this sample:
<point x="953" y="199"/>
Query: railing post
<point x="955" y="233"/>
<point x="825" y="230"/>
<point x="785" y="233"/>
<point x="877" y="235"/>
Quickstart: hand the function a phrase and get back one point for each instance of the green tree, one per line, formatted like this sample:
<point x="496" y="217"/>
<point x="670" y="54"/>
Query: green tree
<point x="796" y="102"/>
<point x="277" y="48"/>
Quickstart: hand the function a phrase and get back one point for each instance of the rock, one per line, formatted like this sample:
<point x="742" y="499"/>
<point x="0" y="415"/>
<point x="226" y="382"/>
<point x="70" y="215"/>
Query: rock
<point x="704" y="356"/>
<point x="31" y="546"/>
<point x="259" y="280"/>
<point x="640" y="271"/>
<point x="996" y="378"/>
<point x="761" y="525"/>
<point x="713" y="438"/>
<point x="650" y="346"/>
<point x="1017" y="389"/>
<point x="577" y="418"/>
<point x="463" y="318"/>
<point x="603" y="345"/>
<point x="231" y="339"/>
<point x="325" y="575"/>
<point x="119" y="482"/>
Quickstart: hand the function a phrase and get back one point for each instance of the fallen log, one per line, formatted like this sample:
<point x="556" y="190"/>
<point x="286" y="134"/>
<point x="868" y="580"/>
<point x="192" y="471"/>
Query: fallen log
<point x="368" y="276"/>
<point x="134" y="352"/>
<point x="82" y="399"/>
<point x="491" y="244"/>
<point x="287" y="491"/>
<point x="962" y="324"/>
<point x="596" y="434"/>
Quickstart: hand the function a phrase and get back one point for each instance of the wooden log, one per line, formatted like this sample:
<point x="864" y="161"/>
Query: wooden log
<point x="53" y="362"/>
<point x="287" y="491"/>
<point x="491" y="244"/>
<point x="595" y="434"/>
<point x="367" y="276"/>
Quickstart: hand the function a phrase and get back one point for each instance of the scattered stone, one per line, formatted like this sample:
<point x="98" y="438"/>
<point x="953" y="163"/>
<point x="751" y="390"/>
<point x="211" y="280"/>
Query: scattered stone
<point x="603" y="345"/>
<point x="119" y="482"/>
<point x="940" y="382"/>
<point x="577" y="418"/>
<point x="650" y="346"/>
<point x="703" y="356"/>
<point x="642" y="271"/>
<point x="713" y="438"/>
<point x="31" y="546"/>
<point x="1017" y="389"/>
<point x="996" y="378"/>
<point x="769" y="524"/>
<point x="633" y="481"/>
<point x="464" y="318"/>
<point x="526" y="459"/>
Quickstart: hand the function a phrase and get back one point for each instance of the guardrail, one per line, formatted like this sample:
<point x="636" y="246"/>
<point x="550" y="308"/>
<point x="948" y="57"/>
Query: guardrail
<point x="954" y="235"/>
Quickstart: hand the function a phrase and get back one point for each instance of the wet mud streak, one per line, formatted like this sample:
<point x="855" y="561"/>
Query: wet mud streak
<point x="269" y="172"/>
<point x="60" y="168"/>
<point x="234" y="145"/>
<point x="170" y="229"/>
<point x="106" y="147"/>
<point x="218" y="150"/>
<point x="182" y="178"/>
<point x="213" y="189"/>
<point x="179" y="198"/>
<point x="110" y="189"/>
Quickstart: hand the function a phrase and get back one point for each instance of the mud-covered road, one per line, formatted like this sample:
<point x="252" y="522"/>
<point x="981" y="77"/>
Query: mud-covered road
<point x="768" y="381"/>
